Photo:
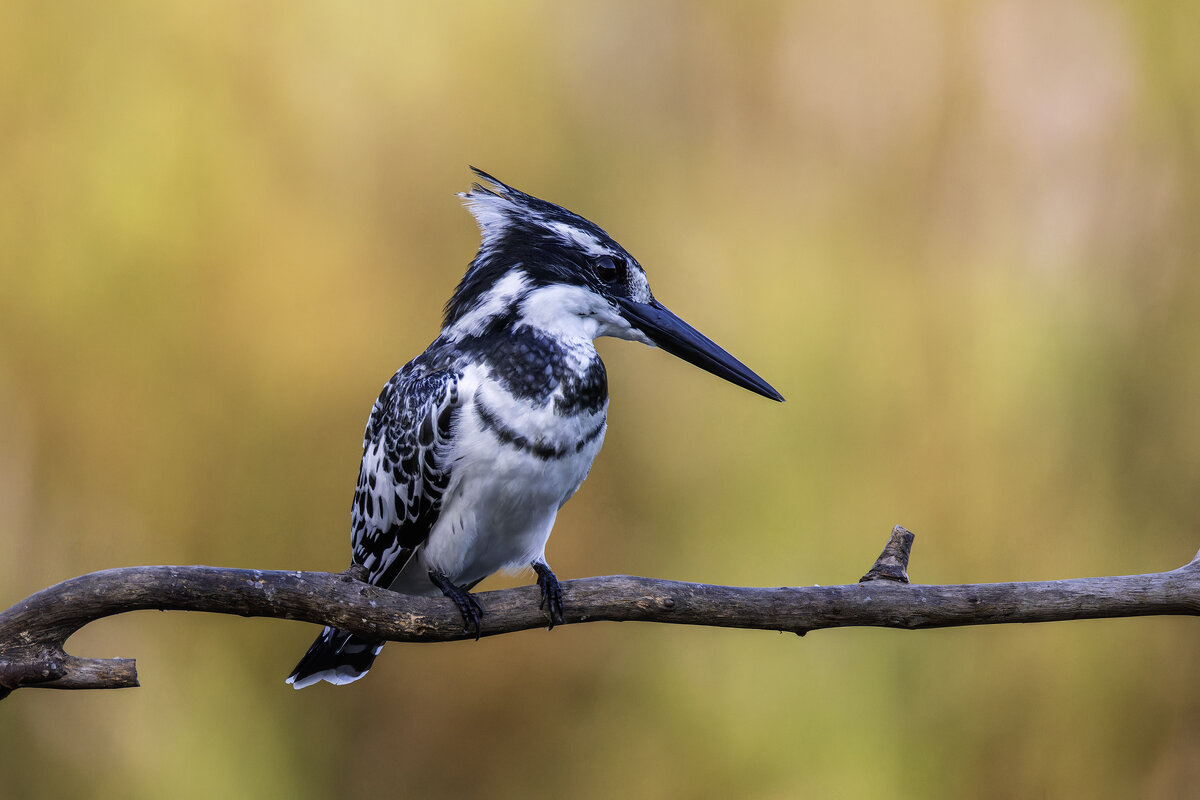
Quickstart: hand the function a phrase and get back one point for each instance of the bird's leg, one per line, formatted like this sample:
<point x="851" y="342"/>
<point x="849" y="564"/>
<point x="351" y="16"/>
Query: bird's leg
<point x="551" y="593"/>
<point x="468" y="606"/>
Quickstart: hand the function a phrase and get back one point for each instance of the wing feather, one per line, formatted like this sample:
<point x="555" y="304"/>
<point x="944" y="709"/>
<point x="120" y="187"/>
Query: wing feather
<point x="405" y="469"/>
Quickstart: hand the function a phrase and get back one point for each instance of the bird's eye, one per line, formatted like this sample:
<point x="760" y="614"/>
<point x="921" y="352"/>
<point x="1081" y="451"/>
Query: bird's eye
<point x="606" y="269"/>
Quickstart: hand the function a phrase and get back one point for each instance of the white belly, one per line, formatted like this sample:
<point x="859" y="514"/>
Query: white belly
<point x="502" y="499"/>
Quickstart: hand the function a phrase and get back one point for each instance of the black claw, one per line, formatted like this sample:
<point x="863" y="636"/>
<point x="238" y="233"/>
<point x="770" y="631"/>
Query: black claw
<point x="551" y="594"/>
<point x="468" y="606"/>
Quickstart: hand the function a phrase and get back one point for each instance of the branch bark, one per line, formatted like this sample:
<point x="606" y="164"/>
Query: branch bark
<point x="33" y="632"/>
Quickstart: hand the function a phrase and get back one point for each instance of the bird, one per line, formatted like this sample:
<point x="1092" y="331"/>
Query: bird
<point x="473" y="446"/>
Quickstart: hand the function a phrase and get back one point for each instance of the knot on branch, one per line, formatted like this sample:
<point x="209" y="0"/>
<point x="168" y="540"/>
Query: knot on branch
<point x="892" y="564"/>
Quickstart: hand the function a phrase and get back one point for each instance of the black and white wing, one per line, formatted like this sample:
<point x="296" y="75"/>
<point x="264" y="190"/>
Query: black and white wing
<point x="404" y="472"/>
<point x="405" y="469"/>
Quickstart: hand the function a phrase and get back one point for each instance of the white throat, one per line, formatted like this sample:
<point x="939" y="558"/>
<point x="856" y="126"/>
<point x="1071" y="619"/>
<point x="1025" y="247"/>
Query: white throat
<point x="573" y="312"/>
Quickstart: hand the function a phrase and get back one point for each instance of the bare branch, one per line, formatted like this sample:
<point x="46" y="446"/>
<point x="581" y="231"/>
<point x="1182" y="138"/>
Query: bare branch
<point x="33" y="632"/>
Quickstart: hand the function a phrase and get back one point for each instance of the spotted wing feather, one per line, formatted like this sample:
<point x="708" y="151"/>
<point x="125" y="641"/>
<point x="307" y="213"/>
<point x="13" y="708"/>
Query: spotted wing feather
<point x="404" y="473"/>
<point x="404" y="469"/>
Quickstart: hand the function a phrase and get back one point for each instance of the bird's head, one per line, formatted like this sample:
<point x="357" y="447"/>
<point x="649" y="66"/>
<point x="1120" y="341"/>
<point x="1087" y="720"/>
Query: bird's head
<point x="542" y="266"/>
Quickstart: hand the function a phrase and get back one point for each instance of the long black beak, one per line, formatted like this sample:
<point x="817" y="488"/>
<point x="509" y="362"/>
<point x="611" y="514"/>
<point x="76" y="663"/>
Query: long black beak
<point x="680" y="339"/>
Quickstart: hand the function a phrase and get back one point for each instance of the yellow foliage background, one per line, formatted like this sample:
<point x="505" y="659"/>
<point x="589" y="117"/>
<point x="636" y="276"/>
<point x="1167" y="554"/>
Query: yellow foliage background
<point x="960" y="238"/>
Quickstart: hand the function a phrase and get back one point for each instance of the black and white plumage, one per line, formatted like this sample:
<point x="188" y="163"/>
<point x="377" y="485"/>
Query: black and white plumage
<point x="474" y="445"/>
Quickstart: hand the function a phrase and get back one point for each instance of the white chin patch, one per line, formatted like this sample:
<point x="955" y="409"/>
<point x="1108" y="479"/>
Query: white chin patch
<point x="634" y="335"/>
<point x="572" y="312"/>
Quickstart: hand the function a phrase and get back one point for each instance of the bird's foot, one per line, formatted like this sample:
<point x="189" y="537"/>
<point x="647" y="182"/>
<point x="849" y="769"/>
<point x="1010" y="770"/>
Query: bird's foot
<point x="551" y="594"/>
<point x="468" y="606"/>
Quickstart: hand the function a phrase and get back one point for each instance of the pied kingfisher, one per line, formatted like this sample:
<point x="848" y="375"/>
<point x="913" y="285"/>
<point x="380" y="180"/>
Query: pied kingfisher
<point x="474" y="445"/>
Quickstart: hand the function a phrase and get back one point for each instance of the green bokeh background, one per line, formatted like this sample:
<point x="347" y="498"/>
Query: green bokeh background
<point x="960" y="238"/>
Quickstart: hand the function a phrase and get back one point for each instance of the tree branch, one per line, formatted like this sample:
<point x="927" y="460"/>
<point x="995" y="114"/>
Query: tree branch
<point x="33" y="632"/>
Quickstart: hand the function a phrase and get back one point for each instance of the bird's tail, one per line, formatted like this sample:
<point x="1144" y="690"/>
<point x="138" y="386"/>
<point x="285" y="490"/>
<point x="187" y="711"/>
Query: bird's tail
<point x="337" y="657"/>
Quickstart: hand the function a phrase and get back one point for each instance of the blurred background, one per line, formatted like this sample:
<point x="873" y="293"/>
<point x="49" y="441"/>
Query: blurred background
<point x="961" y="239"/>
